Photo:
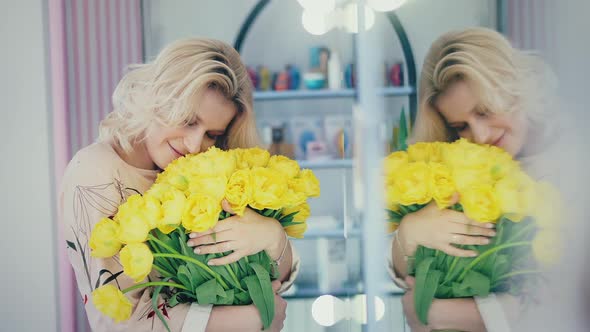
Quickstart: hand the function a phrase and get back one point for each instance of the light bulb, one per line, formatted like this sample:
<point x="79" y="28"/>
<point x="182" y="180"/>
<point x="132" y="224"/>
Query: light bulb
<point x="349" y="18"/>
<point x="359" y="312"/>
<point x="316" y="23"/>
<point x="327" y="310"/>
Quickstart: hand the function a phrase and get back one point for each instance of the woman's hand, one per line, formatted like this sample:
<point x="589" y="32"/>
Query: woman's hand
<point x="246" y="235"/>
<point x="441" y="229"/>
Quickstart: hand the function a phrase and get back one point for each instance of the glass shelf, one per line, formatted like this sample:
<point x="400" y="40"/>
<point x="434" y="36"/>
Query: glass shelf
<point x="312" y="293"/>
<point x="326" y="164"/>
<point x="337" y="233"/>
<point x="327" y="93"/>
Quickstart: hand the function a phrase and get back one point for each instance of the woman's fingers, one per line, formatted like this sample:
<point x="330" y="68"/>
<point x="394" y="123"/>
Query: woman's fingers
<point x="468" y="240"/>
<point x="217" y="248"/>
<point x="454" y="251"/>
<point x="467" y="229"/>
<point x="211" y="238"/>
<point x="231" y="258"/>
<point x="222" y="225"/>
<point x="461" y="218"/>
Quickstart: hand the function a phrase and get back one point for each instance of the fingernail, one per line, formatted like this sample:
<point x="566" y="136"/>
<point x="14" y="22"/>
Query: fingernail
<point x="189" y="243"/>
<point x="486" y="241"/>
<point x="210" y="263"/>
<point x="473" y="254"/>
<point x="197" y="250"/>
<point x="493" y="234"/>
<point x="192" y="235"/>
<point x="491" y="225"/>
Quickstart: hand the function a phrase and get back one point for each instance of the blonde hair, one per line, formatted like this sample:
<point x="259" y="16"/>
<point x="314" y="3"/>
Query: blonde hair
<point x="163" y="91"/>
<point x="505" y="79"/>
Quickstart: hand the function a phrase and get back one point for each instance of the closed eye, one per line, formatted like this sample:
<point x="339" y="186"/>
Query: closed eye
<point x="459" y="128"/>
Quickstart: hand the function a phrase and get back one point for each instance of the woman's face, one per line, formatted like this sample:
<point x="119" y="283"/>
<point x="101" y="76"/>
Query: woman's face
<point x="462" y="111"/>
<point x="214" y="113"/>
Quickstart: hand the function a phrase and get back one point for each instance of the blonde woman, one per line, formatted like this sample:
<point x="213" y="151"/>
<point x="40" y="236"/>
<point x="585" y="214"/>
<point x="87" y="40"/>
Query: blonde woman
<point x="194" y="95"/>
<point x="473" y="85"/>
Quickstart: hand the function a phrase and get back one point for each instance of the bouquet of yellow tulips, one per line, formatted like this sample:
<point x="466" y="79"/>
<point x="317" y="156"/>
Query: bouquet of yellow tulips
<point x="149" y="231"/>
<point x="492" y="188"/>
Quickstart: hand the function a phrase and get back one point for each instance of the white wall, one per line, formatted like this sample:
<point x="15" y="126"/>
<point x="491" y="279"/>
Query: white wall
<point x="27" y="254"/>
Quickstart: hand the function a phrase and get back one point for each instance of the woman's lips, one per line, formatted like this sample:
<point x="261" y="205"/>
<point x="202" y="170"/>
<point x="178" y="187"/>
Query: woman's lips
<point x="175" y="151"/>
<point x="498" y="141"/>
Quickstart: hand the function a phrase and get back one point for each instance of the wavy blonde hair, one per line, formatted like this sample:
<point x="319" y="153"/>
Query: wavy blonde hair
<point x="163" y="91"/>
<point x="505" y="79"/>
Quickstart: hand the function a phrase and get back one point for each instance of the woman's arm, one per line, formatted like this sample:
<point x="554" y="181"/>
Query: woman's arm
<point x="456" y="314"/>
<point x="246" y="318"/>
<point x="247" y="235"/>
<point x="90" y="193"/>
<point x="438" y="229"/>
<point x="451" y="314"/>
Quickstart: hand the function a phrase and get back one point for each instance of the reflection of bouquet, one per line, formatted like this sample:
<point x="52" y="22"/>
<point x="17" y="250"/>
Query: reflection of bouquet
<point x="152" y="229"/>
<point x="492" y="188"/>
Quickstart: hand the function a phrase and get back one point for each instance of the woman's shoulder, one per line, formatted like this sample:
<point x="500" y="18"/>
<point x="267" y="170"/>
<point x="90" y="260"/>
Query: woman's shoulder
<point x="96" y="152"/>
<point x="92" y="163"/>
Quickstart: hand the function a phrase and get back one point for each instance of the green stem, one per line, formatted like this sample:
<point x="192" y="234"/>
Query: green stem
<point x="164" y="262"/>
<point x="522" y="231"/>
<point x="163" y="272"/>
<point x="489" y="252"/>
<point x="233" y="275"/>
<point x="198" y="263"/>
<point x="516" y="273"/>
<point x="167" y="247"/>
<point x="154" y="283"/>
<point x="450" y="273"/>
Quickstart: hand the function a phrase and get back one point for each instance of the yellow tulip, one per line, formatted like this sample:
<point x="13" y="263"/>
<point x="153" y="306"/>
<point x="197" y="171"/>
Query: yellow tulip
<point x="239" y="190"/>
<point x="212" y="186"/>
<point x="111" y="302"/>
<point x="311" y="184"/>
<point x="443" y="187"/>
<point x="426" y="152"/>
<point x="413" y="184"/>
<point x="145" y="208"/>
<point x="137" y="260"/>
<point x="270" y="187"/>
<point x="480" y="203"/>
<point x="303" y="212"/>
<point x="284" y="165"/>
<point x="103" y="239"/>
<point x="464" y="154"/>
<point x="392" y="227"/>
<point x="214" y="162"/>
<point x="393" y="163"/>
<point x="515" y="194"/>
<point x="256" y="157"/>
<point x="132" y="228"/>
<point x="297" y="230"/>
<point x="466" y="177"/>
<point x="152" y="210"/>
<point x="201" y="213"/>
<point x="173" y="204"/>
